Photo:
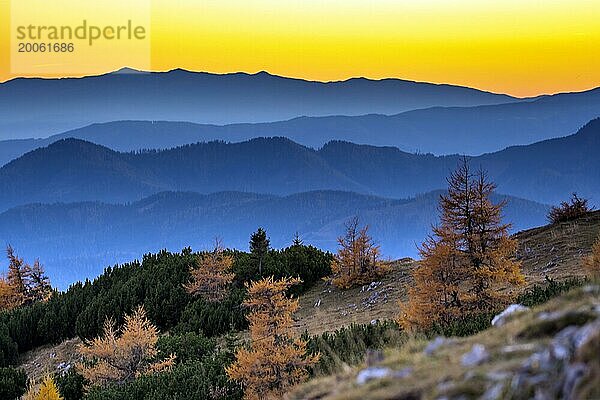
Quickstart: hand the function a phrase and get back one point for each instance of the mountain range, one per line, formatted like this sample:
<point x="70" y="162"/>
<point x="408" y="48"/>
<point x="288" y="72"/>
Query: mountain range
<point x="80" y="206"/>
<point x="73" y="170"/>
<point x="439" y="130"/>
<point x="77" y="240"/>
<point x="124" y="178"/>
<point x="32" y="107"/>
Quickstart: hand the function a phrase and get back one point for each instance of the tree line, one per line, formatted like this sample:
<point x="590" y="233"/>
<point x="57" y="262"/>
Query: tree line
<point x="161" y="284"/>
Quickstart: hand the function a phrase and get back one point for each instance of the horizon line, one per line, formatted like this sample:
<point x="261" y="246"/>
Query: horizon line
<point x="264" y="71"/>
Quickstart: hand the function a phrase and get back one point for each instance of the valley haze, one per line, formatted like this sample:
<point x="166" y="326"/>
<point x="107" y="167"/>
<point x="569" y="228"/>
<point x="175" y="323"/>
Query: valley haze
<point x="80" y="206"/>
<point x="172" y="159"/>
<point x="135" y="110"/>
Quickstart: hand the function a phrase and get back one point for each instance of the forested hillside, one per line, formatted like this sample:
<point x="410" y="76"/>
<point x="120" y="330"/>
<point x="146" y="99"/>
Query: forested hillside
<point x="200" y="332"/>
<point x="158" y="284"/>
<point x="77" y="240"/>
<point x="72" y="170"/>
<point x="172" y="325"/>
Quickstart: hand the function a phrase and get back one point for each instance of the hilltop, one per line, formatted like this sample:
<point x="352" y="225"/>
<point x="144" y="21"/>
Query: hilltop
<point x="547" y="252"/>
<point x="556" y="250"/>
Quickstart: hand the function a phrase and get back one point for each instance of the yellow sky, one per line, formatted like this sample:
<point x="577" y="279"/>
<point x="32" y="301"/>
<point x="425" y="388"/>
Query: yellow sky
<point x="520" y="47"/>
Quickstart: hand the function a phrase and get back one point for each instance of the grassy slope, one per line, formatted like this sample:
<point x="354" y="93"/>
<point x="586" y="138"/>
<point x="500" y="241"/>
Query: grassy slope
<point x="556" y="250"/>
<point x="357" y="305"/>
<point x="442" y="374"/>
<point x="553" y="251"/>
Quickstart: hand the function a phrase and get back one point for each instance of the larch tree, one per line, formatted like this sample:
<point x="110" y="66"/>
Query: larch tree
<point x="259" y="247"/>
<point x="469" y="263"/>
<point x="435" y="298"/>
<point x="23" y="283"/>
<point x="569" y="210"/>
<point x="9" y="299"/>
<point x="120" y="356"/>
<point x="358" y="259"/>
<point x="277" y="358"/>
<point x="492" y="251"/>
<point x="591" y="263"/>
<point x="212" y="275"/>
<point x="46" y="391"/>
<point x="17" y="277"/>
<point x="39" y="284"/>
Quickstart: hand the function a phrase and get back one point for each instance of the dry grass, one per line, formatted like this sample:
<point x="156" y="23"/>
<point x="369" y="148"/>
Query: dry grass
<point x="49" y="359"/>
<point x="553" y="251"/>
<point x="443" y="371"/>
<point x="557" y="250"/>
<point x="359" y="305"/>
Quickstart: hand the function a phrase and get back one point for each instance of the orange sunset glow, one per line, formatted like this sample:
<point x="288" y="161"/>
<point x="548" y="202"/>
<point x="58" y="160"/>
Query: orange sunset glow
<point x="522" y="48"/>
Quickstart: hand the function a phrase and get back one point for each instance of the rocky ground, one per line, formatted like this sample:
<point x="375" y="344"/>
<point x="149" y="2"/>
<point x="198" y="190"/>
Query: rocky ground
<point x="47" y="360"/>
<point x="326" y="308"/>
<point x="549" y="352"/>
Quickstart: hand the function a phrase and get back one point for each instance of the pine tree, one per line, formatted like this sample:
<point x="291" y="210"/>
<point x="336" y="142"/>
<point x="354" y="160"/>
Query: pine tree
<point x="276" y="359"/>
<point x="297" y="240"/>
<point x="358" y="258"/>
<point x="259" y="247"/>
<point x="212" y="275"/>
<point x="468" y="261"/>
<point x="121" y="356"/>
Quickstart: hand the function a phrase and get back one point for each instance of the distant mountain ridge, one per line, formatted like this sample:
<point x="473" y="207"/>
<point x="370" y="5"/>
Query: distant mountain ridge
<point x="72" y="170"/>
<point x="34" y="107"/>
<point x="77" y="240"/>
<point x="439" y="130"/>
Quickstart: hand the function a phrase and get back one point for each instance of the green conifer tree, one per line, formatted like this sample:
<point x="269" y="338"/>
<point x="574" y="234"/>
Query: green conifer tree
<point x="259" y="247"/>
